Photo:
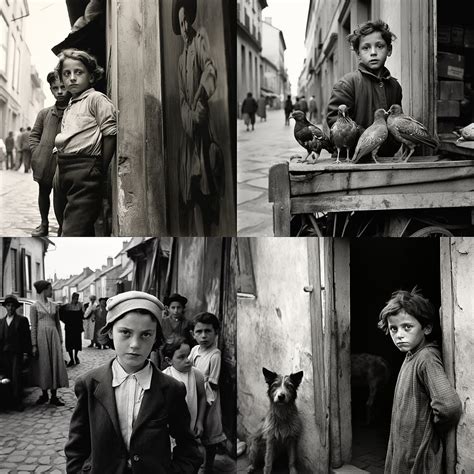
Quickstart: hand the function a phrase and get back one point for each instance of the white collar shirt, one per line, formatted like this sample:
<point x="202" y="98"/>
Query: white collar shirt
<point x="129" y="390"/>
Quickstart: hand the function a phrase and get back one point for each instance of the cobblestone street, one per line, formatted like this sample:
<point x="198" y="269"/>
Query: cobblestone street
<point x="18" y="202"/>
<point x="33" y="441"/>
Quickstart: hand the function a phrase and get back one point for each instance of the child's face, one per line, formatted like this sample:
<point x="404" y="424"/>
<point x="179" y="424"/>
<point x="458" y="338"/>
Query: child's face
<point x="184" y="25"/>
<point x="406" y="331"/>
<point x="58" y="89"/>
<point x="373" y="51"/>
<point x="133" y="337"/>
<point x="180" y="359"/>
<point x="204" y="334"/>
<point x="176" y="309"/>
<point x="76" y="77"/>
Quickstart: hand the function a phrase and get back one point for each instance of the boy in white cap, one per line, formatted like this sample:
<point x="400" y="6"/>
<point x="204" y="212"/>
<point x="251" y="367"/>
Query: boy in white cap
<point x="127" y="409"/>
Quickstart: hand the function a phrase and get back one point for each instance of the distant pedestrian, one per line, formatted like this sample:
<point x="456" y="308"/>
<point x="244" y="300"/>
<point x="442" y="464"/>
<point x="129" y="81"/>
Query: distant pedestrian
<point x="48" y="368"/>
<point x="297" y="105"/>
<point x="19" y="149"/>
<point x="85" y="145"/>
<point x="10" y="146"/>
<point x="313" y="110"/>
<point x="100" y="319"/>
<point x="71" y="315"/>
<point x="288" y="109"/>
<point x="127" y="409"/>
<point x="249" y="108"/>
<point x="15" y="349"/>
<point x="303" y="105"/>
<point x="3" y="154"/>
<point x="43" y="162"/>
<point x="26" y="152"/>
<point x="89" y="319"/>
<point x="262" y="109"/>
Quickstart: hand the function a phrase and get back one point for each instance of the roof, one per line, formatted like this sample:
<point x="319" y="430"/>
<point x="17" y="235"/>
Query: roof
<point x="109" y="269"/>
<point x="127" y="269"/>
<point x="86" y="282"/>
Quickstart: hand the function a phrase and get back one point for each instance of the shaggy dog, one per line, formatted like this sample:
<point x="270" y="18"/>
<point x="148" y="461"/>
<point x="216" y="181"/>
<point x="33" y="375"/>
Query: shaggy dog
<point x="280" y="429"/>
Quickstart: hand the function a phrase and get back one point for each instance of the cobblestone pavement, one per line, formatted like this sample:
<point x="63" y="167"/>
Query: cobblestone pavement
<point x="19" y="205"/>
<point x="271" y="142"/>
<point x="33" y="441"/>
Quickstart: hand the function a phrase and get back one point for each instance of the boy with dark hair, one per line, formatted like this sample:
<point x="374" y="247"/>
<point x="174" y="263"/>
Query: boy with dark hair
<point x="425" y="405"/>
<point x="41" y="142"/>
<point x="371" y="87"/>
<point x="127" y="409"/>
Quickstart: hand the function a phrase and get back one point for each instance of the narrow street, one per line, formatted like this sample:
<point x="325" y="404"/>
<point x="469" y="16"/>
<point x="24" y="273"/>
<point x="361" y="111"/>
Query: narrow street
<point x="33" y="440"/>
<point x="19" y="205"/>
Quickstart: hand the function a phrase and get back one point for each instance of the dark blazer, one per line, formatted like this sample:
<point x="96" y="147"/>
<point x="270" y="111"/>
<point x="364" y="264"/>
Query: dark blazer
<point x="19" y="336"/>
<point x="95" y="442"/>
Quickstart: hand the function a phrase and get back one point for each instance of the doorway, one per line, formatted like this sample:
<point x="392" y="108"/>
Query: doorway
<point x="377" y="268"/>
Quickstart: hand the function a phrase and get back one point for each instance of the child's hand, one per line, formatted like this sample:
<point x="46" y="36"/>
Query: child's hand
<point x="198" y="429"/>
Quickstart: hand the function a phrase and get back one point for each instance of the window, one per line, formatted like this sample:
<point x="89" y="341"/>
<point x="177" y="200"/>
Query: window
<point x="27" y="264"/>
<point x="246" y="287"/>
<point x="16" y="70"/>
<point x="39" y="276"/>
<point x="3" y="44"/>
<point x="14" y="271"/>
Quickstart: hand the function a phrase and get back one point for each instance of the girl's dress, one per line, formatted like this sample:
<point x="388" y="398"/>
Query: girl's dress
<point x="208" y="362"/>
<point x="49" y="370"/>
<point x="189" y="380"/>
<point x="424" y="405"/>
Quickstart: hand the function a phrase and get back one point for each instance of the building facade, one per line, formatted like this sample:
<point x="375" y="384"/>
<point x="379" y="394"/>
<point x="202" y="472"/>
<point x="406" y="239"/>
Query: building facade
<point x="21" y="95"/>
<point x="249" y="47"/>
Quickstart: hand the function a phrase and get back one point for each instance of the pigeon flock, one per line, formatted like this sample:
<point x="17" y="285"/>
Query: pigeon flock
<point x="347" y="135"/>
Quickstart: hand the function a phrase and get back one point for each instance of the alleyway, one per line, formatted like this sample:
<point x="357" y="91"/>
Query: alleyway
<point x="18" y="202"/>
<point x="33" y="441"/>
<point x="270" y="143"/>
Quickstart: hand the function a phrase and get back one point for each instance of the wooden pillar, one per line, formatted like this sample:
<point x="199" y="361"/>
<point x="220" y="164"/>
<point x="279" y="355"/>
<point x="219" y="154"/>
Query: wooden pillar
<point x="279" y="194"/>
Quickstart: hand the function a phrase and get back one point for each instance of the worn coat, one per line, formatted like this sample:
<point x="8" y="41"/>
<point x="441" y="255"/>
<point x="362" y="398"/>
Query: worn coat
<point x="425" y="406"/>
<point x="363" y="93"/>
<point x="41" y="141"/>
<point x="96" y="444"/>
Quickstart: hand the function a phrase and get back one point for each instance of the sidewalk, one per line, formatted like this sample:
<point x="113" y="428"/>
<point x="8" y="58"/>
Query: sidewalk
<point x="271" y="142"/>
<point x="33" y="441"/>
<point x="19" y="205"/>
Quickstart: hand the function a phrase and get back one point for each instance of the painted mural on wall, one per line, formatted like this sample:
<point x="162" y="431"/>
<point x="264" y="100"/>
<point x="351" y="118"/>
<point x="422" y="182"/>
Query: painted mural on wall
<point x="198" y="149"/>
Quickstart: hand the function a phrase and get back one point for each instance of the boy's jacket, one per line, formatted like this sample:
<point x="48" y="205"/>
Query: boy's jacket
<point x="95" y="442"/>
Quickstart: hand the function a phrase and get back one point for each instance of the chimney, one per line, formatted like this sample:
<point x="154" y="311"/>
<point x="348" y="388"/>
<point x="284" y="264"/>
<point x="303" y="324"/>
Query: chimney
<point x="110" y="262"/>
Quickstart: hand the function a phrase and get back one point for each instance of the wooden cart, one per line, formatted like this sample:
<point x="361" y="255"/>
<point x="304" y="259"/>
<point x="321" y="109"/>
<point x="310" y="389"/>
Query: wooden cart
<point x="427" y="196"/>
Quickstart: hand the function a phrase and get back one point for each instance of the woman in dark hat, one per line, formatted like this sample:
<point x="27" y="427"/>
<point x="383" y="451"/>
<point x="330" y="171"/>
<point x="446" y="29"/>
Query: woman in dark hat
<point x="71" y="315"/>
<point x="174" y="323"/>
<point x="100" y="319"/>
<point x="15" y="348"/>
<point x="49" y="369"/>
<point x="199" y="157"/>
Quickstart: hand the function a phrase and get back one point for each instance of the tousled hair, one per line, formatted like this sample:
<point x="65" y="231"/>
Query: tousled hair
<point x="366" y="29"/>
<point x="89" y="61"/>
<point x="413" y="303"/>
<point x="207" y="318"/>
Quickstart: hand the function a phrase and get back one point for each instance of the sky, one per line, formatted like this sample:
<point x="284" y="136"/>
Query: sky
<point x="71" y="255"/>
<point x="290" y="17"/>
<point x="46" y="26"/>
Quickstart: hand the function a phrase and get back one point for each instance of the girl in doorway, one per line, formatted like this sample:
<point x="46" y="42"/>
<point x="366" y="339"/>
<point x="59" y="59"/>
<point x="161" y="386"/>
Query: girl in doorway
<point x="207" y="358"/>
<point x="176" y="352"/>
<point x="425" y="405"/>
<point x="86" y="145"/>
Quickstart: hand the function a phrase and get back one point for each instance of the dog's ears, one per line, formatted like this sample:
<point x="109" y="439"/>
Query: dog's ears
<point x="269" y="375"/>
<point x="296" y="378"/>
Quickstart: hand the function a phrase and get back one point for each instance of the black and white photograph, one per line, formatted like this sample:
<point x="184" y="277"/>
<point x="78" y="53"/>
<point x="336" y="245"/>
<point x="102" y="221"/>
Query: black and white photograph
<point x="118" y="355"/>
<point x="355" y="355"/>
<point x="354" y="118"/>
<point x="109" y="126"/>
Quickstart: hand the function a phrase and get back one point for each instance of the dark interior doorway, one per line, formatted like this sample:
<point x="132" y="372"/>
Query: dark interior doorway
<point x="377" y="268"/>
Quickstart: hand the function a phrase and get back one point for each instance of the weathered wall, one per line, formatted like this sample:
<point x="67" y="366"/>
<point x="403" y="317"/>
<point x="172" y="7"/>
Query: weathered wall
<point x="462" y="258"/>
<point x="274" y="332"/>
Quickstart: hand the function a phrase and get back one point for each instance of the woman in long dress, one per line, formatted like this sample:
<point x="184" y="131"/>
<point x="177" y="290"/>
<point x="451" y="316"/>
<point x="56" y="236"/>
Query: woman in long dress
<point x="71" y="315"/>
<point x="48" y="368"/>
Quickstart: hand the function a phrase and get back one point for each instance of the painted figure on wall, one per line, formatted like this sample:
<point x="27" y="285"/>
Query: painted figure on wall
<point x="200" y="166"/>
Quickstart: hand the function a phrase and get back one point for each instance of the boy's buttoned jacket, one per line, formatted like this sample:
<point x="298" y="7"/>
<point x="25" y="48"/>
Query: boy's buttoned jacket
<point x="95" y="442"/>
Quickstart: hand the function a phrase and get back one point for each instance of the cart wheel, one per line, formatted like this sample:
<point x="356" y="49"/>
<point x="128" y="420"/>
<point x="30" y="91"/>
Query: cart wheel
<point x="432" y="231"/>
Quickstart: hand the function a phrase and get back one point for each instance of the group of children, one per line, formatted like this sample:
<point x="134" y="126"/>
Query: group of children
<point x="130" y="416"/>
<point x="72" y="144"/>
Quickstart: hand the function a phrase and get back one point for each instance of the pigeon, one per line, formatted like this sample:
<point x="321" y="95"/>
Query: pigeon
<point x="373" y="137"/>
<point x="344" y="132"/>
<point x="467" y="133"/>
<point x="408" y="131"/>
<point x="310" y="137"/>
